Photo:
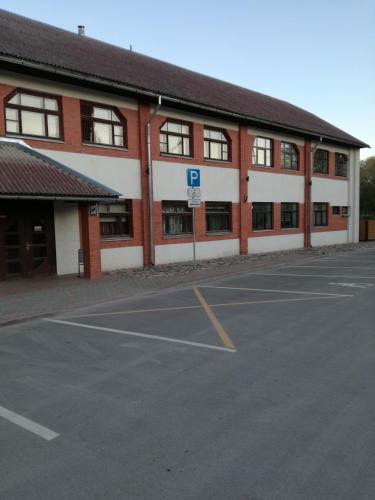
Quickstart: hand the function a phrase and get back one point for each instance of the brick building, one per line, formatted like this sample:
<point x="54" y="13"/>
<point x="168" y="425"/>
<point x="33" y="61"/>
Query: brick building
<point x="120" y="129"/>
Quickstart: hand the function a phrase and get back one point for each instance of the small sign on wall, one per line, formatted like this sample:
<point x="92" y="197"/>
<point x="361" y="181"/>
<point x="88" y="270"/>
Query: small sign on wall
<point x="93" y="209"/>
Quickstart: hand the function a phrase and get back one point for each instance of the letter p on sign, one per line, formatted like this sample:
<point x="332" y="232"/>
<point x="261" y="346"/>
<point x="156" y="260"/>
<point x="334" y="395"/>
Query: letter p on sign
<point x="193" y="177"/>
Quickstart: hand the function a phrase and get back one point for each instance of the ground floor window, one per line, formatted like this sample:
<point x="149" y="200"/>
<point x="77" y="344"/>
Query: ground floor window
<point x="335" y="210"/>
<point x="289" y="215"/>
<point x="320" y="214"/>
<point x="115" y="219"/>
<point x="218" y="217"/>
<point x="177" y="218"/>
<point x="262" y="216"/>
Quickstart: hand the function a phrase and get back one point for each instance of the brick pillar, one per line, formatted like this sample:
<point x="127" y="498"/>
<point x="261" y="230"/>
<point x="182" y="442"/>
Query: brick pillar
<point x="144" y="114"/>
<point x="90" y="234"/>
<point x="308" y="204"/>
<point x="244" y="163"/>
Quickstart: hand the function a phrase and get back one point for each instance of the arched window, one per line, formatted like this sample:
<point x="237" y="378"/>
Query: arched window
<point x="33" y="114"/>
<point x="216" y="144"/>
<point x="102" y="125"/>
<point x="289" y="156"/>
<point x="321" y="161"/>
<point x="175" y="138"/>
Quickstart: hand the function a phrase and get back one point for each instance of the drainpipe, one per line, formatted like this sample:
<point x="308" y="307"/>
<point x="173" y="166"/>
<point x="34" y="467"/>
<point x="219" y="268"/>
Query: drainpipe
<point x="150" y="181"/>
<point x="310" y="177"/>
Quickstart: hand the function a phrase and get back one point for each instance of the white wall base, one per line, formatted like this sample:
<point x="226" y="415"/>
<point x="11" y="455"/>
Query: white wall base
<point x="262" y="244"/>
<point x="66" y="237"/>
<point x="121" y="258"/>
<point x="329" y="238"/>
<point x="181" y="252"/>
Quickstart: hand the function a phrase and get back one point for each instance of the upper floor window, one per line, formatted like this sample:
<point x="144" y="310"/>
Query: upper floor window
<point x="115" y="219"/>
<point x="216" y="144"/>
<point x="262" y="152"/>
<point x="289" y="156"/>
<point x="341" y="165"/>
<point x="33" y="114"/>
<point x="102" y="125"/>
<point x="175" y="138"/>
<point x="321" y="161"/>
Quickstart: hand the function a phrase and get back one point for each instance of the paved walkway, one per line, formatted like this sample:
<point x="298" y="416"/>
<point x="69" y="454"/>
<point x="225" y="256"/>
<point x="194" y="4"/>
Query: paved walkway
<point x="25" y="299"/>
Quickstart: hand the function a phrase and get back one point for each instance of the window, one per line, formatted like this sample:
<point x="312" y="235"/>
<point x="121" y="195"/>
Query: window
<point x="289" y="156"/>
<point x="262" y="152"/>
<point x="175" y="138"/>
<point x="341" y="165"/>
<point x="335" y="210"/>
<point x="320" y="214"/>
<point x="216" y="144"/>
<point x="32" y="114"/>
<point x="102" y="125"/>
<point x="115" y="219"/>
<point x="321" y="161"/>
<point x="262" y="216"/>
<point x="177" y="218"/>
<point x="218" y="217"/>
<point x="289" y="215"/>
<point x="345" y="211"/>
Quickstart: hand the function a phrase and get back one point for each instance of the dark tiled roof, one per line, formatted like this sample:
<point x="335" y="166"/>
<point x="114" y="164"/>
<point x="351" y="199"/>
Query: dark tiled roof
<point x="23" y="38"/>
<point x="25" y="172"/>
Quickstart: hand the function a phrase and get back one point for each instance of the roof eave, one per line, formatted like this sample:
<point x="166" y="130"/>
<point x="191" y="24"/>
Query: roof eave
<point x="154" y="94"/>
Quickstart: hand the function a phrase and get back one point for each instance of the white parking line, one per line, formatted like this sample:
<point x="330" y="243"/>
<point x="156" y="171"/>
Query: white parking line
<point x="27" y="424"/>
<point x="142" y="335"/>
<point x="275" y="291"/>
<point x="311" y="275"/>
<point x="330" y="267"/>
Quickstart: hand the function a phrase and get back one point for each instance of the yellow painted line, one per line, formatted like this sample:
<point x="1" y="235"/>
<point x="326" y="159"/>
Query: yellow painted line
<point x="273" y="301"/>
<point x="224" y="304"/>
<point x="136" y="311"/>
<point x="215" y="322"/>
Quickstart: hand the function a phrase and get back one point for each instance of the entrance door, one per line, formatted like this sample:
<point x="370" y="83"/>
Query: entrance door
<point x="26" y="239"/>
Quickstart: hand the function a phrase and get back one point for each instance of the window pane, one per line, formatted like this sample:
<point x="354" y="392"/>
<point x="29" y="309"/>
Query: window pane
<point x="215" y="150"/>
<point x="206" y="149"/>
<point x="175" y="144"/>
<point x="53" y="126"/>
<point x="174" y="127"/>
<point x="261" y="143"/>
<point x="104" y="114"/>
<point x="50" y="104"/>
<point x="261" y="157"/>
<point x="32" y="101"/>
<point x="12" y="126"/>
<point x="118" y="130"/>
<point x="268" y="158"/>
<point x="185" y="129"/>
<point x="119" y="140"/>
<point x="114" y="117"/>
<point x="33" y="123"/>
<point x="186" y="146"/>
<point x="102" y="133"/>
<point x="11" y="114"/>
<point x="15" y="99"/>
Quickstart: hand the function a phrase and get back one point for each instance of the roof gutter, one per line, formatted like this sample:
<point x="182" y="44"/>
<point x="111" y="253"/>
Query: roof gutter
<point x="149" y="93"/>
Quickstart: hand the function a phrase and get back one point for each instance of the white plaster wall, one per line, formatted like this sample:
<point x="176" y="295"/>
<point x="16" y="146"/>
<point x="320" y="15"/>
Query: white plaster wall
<point x="261" y="244"/>
<point x="329" y="238"/>
<point x="276" y="135"/>
<point x="180" y="252"/>
<point x="121" y="258"/>
<point x="67" y="237"/>
<point x="121" y="174"/>
<point x="334" y="192"/>
<point x="271" y="187"/>
<point x="217" y="184"/>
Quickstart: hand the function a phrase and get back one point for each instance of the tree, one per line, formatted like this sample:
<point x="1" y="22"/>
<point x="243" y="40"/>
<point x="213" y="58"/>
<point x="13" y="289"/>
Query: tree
<point x="367" y="184"/>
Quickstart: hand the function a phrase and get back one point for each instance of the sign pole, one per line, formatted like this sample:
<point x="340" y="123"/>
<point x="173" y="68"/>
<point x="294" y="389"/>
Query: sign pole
<point x="194" y="260"/>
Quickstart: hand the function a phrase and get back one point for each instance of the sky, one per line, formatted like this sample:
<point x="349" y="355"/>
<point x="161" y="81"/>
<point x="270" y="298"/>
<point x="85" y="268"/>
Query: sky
<point x="319" y="55"/>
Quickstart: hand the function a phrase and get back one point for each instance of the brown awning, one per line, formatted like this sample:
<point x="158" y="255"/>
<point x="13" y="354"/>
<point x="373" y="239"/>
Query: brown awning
<point x="27" y="174"/>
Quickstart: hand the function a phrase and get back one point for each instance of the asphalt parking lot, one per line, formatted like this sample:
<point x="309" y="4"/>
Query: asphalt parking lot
<point x="259" y="386"/>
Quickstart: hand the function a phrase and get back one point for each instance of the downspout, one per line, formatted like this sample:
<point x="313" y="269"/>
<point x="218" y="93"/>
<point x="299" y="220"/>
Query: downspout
<point x="150" y="182"/>
<point x="310" y="178"/>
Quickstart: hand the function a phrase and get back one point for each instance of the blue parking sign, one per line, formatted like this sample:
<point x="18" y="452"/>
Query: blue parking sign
<point x="193" y="176"/>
